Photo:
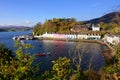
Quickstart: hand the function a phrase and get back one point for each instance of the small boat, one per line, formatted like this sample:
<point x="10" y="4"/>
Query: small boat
<point x="22" y="41"/>
<point x="41" y="54"/>
<point x="14" y="38"/>
<point x="48" y="53"/>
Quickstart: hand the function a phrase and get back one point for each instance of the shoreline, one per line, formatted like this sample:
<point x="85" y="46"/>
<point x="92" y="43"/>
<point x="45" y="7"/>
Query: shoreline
<point x="81" y="40"/>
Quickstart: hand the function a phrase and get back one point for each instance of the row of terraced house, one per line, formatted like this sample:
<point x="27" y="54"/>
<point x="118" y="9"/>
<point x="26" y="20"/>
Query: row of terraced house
<point x="71" y="36"/>
<point x="111" y="39"/>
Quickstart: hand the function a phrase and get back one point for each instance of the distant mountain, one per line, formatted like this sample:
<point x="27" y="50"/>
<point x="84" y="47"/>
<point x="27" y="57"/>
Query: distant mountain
<point x="2" y="30"/>
<point x="108" y="18"/>
<point x="14" y="28"/>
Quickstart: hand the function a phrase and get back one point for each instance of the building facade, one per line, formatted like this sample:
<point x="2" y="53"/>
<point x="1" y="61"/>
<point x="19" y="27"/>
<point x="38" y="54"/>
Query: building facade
<point x="112" y="39"/>
<point x="72" y="36"/>
<point x="95" y="27"/>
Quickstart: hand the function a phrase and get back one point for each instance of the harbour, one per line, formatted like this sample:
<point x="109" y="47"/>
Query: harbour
<point x="58" y="49"/>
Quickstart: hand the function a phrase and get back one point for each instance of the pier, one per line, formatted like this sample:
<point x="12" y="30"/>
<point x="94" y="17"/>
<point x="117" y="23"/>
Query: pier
<point x="23" y="37"/>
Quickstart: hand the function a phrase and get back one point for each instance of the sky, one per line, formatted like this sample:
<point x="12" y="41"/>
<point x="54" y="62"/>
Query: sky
<point x="30" y="12"/>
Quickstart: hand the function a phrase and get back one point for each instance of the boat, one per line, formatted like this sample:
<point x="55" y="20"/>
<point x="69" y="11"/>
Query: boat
<point x="23" y="37"/>
<point x="48" y="53"/>
<point x="22" y="41"/>
<point x="15" y="37"/>
<point x="41" y="54"/>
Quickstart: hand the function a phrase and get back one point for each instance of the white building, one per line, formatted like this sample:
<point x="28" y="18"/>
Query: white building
<point x="95" y="28"/>
<point x="82" y="36"/>
<point x="89" y="36"/>
<point x="94" y="36"/>
<point x="71" y="36"/>
<point x="112" y="39"/>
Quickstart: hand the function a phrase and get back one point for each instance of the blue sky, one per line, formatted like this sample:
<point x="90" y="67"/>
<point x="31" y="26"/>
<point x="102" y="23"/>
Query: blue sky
<point x="29" y="12"/>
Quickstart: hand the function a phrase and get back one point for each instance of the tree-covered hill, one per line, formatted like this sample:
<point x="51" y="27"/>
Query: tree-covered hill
<point x="55" y="25"/>
<point x="108" y="23"/>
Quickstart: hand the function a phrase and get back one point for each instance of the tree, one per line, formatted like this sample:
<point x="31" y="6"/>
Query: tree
<point x="20" y="67"/>
<point x="112" y="70"/>
<point x="61" y="68"/>
<point x="55" y="25"/>
<point x="37" y="28"/>
<point x="5" y="55"/>
<point x="115" y="30"/>
<point x="78" y="55"/>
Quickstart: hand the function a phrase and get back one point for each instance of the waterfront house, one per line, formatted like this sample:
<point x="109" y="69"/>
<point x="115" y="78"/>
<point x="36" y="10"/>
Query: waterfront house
<point x="61" y="36"/>
<point x="57" y="36"/>
<point x="82" y="36"/>
<point x="112" y="39"/>
<point x="93" y="36"/>
<point x="90" y="36"/>
<point x="46" y="35"/>
<point x="71" y="36"/>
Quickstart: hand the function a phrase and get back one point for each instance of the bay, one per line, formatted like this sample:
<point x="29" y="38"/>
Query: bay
<point x="92" y="52"/>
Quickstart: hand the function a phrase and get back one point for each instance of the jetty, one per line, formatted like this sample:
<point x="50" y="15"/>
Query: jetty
<point x="23" y="37"/>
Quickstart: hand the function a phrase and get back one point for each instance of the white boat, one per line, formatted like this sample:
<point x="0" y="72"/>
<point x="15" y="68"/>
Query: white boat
<point x="15" y="38"/>
<point x="23" y="37"/>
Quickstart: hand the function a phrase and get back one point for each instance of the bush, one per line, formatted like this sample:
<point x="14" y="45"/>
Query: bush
<point x="20" y="67"/>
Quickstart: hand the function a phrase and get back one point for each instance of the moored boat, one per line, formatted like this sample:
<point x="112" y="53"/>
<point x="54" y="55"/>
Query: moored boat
<point x="41" y="54"/>
<point x="23" y="37"/>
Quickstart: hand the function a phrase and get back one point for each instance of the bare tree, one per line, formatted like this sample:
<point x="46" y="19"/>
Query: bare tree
<point x="77" y="55"/>
<point x="81" y="52"/>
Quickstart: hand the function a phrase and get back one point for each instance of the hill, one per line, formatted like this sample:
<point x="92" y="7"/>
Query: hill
<point x="113" y="17"/>
<point x="14" y="28"/>
<point x="2" y="30"/>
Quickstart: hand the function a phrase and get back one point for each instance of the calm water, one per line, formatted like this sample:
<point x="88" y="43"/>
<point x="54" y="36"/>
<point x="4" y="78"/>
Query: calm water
<point x="92" y="52"/>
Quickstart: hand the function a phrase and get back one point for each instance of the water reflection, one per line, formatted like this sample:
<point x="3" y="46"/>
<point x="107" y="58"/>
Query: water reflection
<point x="91" y="53"/>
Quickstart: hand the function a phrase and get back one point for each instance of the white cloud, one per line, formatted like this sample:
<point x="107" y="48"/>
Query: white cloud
<point x="27" y="22"/>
